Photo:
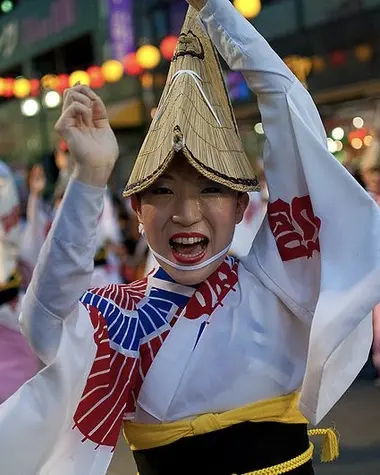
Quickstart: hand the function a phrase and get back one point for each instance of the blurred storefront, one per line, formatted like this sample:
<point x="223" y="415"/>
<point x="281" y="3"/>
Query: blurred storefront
<point x="333" y="46"/>
<point x="42" y="42"/>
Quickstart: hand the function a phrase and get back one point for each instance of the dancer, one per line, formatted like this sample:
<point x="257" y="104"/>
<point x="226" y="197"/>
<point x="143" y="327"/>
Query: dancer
<point x="215" y="365"/>
<point x="17" y="361"/>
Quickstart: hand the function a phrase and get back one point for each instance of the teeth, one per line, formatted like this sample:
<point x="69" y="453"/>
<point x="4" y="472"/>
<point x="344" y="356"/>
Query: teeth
<point x="188" y="240"/>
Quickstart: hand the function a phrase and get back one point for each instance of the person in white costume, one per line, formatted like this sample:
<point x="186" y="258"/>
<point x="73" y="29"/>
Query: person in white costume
<point x="39" y="220"/>
<point x="17" y="361"/>
<point x="211" y="365"/>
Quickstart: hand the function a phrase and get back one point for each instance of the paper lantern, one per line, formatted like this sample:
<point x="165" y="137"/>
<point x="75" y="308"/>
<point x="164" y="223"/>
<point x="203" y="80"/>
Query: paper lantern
<point x="131" y="66"/>
<point x="148" y="56"/>
<point x="318" y="64"/>
<point x="146" y="81"/>
<point x="34" y="87"/>
<point x="79" y="76"/>
<point x="50" y="81"/>
<point x="248" y="8"/>
<point x="112" y="70"/>
<point x="8" y="87"/>
<point x="21" y="88"/>
<point x="364" y="53"/>
<point x="338" y="58"/>
<point x="63" y="83"/>
<point x="168" y="46"/>
<point x="96" y="77"/>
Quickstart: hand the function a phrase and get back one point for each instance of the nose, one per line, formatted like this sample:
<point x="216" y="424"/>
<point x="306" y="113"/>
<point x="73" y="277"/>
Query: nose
<point x="187" y="211"/>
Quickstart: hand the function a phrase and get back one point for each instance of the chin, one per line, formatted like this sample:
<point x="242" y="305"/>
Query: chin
<point x="191" y="277"/>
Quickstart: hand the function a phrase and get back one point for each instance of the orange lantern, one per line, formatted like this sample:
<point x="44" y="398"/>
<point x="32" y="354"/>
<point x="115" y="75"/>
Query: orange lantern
<point x="96" y="77"/>
<point x="2" y="86"/>
<point x="148" y="56"/>
<point x="79" y="76"/>
<point x="248" y="8"/>
<point x="112" y="70"/>
<point x="8" y="87"/>
<point x="50" y="81"/>
<point x="63" y="82"/>
<point x="34" y="87"/>
<point x="21" y="88"/>
<point x="131" y="66"/>
<point x="364" y="53"/>
<point x="168" y="46"/>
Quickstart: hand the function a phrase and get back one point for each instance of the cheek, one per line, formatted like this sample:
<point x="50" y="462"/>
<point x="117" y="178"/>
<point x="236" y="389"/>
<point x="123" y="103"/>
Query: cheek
<point x="224" y="215"/>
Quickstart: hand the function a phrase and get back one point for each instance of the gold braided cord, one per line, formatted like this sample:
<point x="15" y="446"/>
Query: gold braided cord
<point x="287" y="466"/>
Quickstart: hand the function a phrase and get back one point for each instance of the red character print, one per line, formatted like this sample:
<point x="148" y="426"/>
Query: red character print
<point x="295" y="228"/>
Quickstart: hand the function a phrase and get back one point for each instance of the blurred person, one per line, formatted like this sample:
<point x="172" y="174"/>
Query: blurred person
<point x="211" y="364"/>
<point x="39" y="219"/>
<point x="17" y="361"/>
<point x="370" y="171"/>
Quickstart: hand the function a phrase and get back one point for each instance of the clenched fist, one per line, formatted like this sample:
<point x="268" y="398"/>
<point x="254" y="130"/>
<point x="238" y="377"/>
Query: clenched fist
<point x="85" y="127"/>
<point x="197" y="4"/>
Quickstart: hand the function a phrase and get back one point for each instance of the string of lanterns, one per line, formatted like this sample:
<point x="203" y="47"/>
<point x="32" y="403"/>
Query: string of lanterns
<point x="146" y="57"/>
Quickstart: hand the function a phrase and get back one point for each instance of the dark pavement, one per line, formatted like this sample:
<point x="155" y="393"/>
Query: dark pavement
<point x="357" y="419"/>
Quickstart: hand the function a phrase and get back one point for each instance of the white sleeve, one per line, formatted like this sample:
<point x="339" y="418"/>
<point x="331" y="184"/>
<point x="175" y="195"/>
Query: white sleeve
<point x="319" y="232"/>
<point x="64" y="269"/>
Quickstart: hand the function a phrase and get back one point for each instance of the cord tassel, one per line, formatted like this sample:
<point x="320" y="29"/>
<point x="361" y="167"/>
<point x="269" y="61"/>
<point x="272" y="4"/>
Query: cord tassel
<point x="330" y="444"/>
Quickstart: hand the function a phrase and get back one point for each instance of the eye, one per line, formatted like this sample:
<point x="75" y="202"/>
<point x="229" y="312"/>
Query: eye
<point x="212" y="190"/>
<point x="161" y="190"/>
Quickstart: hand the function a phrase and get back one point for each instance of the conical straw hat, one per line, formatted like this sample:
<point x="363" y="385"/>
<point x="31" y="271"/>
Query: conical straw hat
<point x="194" y="118"/>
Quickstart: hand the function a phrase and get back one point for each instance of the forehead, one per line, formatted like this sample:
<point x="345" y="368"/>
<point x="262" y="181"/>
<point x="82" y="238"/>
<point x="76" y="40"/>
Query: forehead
<point x="180" y="169"/>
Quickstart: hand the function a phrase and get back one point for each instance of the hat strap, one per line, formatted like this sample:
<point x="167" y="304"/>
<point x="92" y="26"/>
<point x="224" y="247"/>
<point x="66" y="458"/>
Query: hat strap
<point x="197" y="80"/>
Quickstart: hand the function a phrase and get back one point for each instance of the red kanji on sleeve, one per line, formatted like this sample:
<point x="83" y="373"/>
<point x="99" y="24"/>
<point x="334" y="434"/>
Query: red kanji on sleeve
<point x="295" y="228"/>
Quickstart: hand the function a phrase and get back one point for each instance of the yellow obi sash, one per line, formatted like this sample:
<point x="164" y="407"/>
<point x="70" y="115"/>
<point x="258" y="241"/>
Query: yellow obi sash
<point x="283" y="409"/>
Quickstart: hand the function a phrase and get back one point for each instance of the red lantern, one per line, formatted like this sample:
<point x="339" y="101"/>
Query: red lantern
<point x="131" y="65"/>
<point x="8" y="87"/>
<point x="62" y="83"/>
<point x="34" y="87"/>
<point x="338" y="58"/>
<point x="96" y="77"/>
<point x="168" y="46"/>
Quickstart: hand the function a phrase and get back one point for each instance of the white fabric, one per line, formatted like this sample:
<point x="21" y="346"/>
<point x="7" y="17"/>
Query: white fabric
<point x="253" y="348"/>
<point x="342" y="284"/>
<point x="9" y="224"/>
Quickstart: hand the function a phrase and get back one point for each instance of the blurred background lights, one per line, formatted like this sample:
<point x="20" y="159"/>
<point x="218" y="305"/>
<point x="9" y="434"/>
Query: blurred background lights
<point x="6" y="6"/>
<point x="368" y="139"/>
<point x="358" y="122"/>
<point x="332" y="146"/>
<point x="339" y="145"/>
<point x="52" y="99"/>
<point x="337" y="133"/>
<point x="259" y="129"/>
<point x="357" y="143"/>
<point x="30" y="107"/>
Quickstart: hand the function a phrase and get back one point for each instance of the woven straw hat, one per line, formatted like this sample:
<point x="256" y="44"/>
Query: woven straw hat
<point x="195" y="119"/>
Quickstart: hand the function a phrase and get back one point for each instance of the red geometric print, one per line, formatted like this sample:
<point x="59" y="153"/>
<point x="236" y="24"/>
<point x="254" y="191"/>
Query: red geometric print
<point x="105" y="398"/>
<point x="212" y="291"/>
<point x="295" y="228"/>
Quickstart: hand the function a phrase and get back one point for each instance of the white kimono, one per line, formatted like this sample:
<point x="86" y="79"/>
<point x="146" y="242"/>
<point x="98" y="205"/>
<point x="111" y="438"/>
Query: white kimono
<point x="294" y="313"/>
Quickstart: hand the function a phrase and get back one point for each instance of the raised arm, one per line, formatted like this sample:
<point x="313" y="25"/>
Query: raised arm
<point x="309" y="191"/>
<point x="65" y="265"/>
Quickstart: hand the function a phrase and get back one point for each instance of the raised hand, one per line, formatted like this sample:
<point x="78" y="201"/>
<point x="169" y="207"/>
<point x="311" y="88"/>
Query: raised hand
<point x="197" y="4"/>
<point x="85" y="127"/>
<point x="37" y="180"/>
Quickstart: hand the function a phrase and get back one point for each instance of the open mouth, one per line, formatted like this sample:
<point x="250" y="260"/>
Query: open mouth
<point x="189" y="248"/>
